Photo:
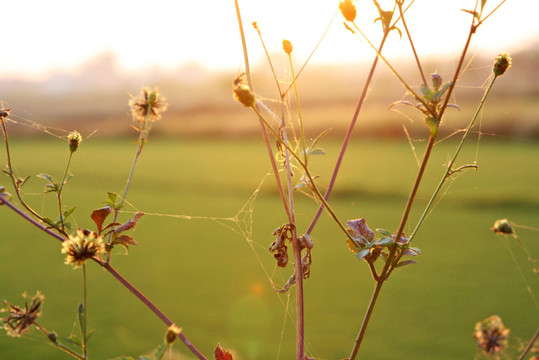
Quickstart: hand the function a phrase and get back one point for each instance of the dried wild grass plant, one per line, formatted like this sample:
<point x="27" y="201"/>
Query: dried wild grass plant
<point x="289" y="153"/>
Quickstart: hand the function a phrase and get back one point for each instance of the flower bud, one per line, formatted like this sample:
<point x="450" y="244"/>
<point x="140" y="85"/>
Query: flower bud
<point x="243" y="94"/>
<point x="348" y="10"/>
<point x="172" y="333"/>
<point x="501" y="64"/>
<point x="502" y="226"/>
<point x="436" y="81"/>
<point x="74" y="139"/>
<point x="287" y="46"/>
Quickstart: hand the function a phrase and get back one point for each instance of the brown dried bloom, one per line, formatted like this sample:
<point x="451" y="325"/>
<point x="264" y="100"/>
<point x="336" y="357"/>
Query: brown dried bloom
<point x="491" y="335"/>
<point x="348" y="10"/>
<point x="85" y="245"/>
<point x="148" y="106"/>
<point x="20" y="320"/>
<point x="501" y="64"/>
<point x="74" y="139"/>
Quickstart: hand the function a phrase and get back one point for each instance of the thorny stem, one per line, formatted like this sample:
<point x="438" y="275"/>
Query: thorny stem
<point x="115" y="274"/>
<point x="449" y="170"/>
<point x="59" y="193"/>
<point x="529" y="346"/>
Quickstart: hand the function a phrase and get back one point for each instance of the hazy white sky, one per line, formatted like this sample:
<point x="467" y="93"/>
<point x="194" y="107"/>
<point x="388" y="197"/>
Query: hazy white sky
<point x="39" y="36"/>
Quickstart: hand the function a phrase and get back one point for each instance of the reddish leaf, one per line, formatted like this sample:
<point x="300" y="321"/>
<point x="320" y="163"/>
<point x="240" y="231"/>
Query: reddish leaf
<point x="99" y="216"/>
<point x="222" y="354"/>
<point x="359" y="228"/>
<point x="126" y="239"/>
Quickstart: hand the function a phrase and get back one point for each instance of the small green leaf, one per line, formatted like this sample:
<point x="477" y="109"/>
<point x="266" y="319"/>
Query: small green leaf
<point x="317" y="152"/>
<point x="157" y="353"/>
<point x="385" y="232"/>
<point x="82" y="317"/>
<point x="69" y="212"/>
<point x="46" y="177"/>
<point x="74" y="339"/>
<point x="361" y="254"/>
<point x="405" y="262"/>
<point x="426" y="91"/>
<point x="385" y="241"/>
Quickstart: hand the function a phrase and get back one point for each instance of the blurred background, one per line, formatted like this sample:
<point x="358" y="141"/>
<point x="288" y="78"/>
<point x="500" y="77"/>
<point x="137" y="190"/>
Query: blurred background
<point x="202" y="254"/>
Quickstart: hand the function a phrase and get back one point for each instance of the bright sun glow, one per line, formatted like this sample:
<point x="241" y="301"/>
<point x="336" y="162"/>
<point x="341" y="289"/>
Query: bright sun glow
<point x="40" y="36"/>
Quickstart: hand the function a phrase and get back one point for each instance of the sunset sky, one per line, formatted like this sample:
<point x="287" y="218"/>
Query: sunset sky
<point x="60" y="35"/>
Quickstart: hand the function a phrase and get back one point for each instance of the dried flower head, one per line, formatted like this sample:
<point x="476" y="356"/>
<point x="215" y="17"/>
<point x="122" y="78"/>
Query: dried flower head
<point x="491" y="335"/>
<point x="348" y="10"/>
<point x="74" y="139"/>
<point x="501" y="64"/>
<point x="20" y="320"/>
<point x="148" y="106"/>
<point x="85" y="245"/>
<point x="287" y="46"/>
<point x="4" y="113"/>
<point x="502" y="226"/>
<point x="242" y="92"/>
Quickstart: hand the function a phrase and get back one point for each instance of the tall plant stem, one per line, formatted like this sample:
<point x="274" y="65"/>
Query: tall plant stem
<point x="84" y="314"/>
<point x="115" y="274"/>
<point x="383" y="276"/>
<point x="420" y="68"/>
<point x="449" y="170"/>
<point x="347" y="137"/>
<point x="11" y="174"/>
<point x="530" y="345"/>
<point x="59" y="193"/>
<point x="288" y="206"/>
<point x="262" y="127"/>
<point x="141" y="141"/>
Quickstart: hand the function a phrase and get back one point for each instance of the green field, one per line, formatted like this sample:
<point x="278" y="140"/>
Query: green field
<point x="214" y="282"/>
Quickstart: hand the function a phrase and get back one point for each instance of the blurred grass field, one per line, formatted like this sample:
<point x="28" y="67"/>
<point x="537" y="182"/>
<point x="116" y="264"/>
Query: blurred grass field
<point x="214" y="282"/>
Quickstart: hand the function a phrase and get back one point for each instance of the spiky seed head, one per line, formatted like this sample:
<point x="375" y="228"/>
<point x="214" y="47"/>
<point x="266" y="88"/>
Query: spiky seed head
<point x="74" y="139"/>
<point x="491" y="335"/>
<point x="501" y="64"/>
<point x="81" y="247"/>
<point x="348" y="10"/>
